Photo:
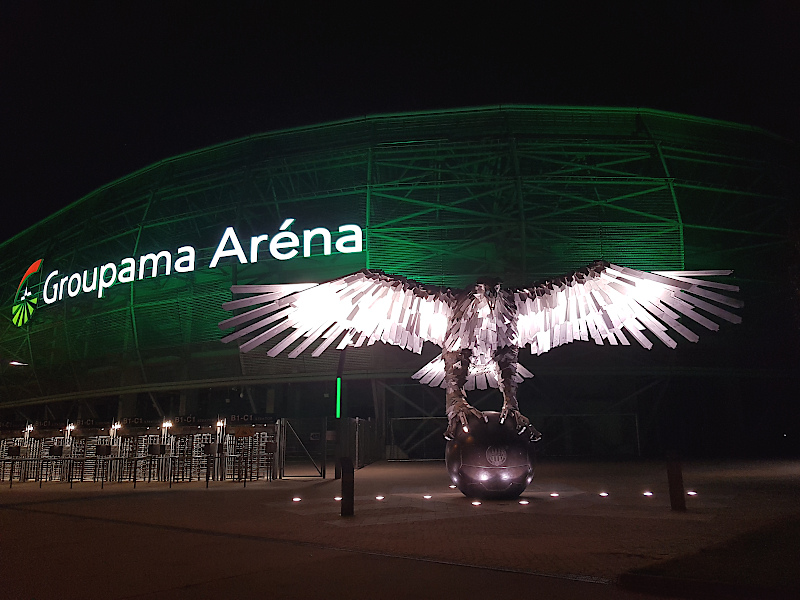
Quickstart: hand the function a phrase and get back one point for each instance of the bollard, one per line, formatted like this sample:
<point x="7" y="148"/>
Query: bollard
<point x="677" y="497"/>
<point x="348" y="486"/>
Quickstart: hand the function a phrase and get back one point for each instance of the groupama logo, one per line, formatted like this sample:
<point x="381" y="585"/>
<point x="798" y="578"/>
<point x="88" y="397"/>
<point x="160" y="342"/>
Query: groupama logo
<point x="25" y="300"/>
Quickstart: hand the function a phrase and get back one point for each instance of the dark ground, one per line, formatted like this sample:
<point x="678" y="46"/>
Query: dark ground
<point x="740" y="535"/>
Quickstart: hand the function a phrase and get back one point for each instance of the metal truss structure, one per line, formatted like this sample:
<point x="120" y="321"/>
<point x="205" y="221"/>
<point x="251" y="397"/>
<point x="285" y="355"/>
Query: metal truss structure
<point x="522" y="192"/>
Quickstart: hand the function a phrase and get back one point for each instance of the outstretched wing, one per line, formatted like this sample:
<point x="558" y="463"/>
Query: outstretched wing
<point x="608" y="303"/>
<point x="605" y="303"/>
<point x="362" y="308"/>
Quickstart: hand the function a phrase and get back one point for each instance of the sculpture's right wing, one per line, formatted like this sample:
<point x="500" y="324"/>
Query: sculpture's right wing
<point x="364" y="307"/>
<point x="607" y="302"/>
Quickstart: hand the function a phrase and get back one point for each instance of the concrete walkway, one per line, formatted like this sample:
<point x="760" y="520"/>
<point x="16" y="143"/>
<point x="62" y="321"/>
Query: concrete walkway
<point x="232" y="542"/>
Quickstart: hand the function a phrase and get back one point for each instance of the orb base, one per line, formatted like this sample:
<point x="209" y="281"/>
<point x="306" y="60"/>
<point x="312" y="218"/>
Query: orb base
<point x="490" y="461"/>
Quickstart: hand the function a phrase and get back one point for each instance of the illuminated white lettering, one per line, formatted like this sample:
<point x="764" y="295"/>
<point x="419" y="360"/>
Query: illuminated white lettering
<point x="185" y="264"/>
<point x="308" y="236"/>
<point x="75" y="277"/>
<point x="127" y="272"/>
<point x="94" y="281"/>
<point x="284" y="245"/>
<point x="356" y="239"/>
<point x="103" y="284"/>
<point x="154" y="258"/>
<point x="61" y="287"/>
<point x="284" y="239"/>
<point x="254" y="242"/>
<point x="236" y="250"/>
<point x="54" y="297"/>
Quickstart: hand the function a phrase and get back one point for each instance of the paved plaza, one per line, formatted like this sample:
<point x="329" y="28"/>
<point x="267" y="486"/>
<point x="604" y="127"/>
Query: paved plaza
<point x="286" y="539"/>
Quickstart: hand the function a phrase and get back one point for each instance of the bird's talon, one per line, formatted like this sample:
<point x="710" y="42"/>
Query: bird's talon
<point x="459" y="419"/>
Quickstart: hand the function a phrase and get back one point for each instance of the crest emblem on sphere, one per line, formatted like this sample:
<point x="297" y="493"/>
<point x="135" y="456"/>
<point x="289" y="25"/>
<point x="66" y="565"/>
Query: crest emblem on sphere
<point x="496" y="455"/>
<point x="25" y="301"/>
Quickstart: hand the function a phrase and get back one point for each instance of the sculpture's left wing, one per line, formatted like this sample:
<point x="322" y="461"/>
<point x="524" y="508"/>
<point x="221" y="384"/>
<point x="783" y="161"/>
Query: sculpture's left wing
<point x="361" y="308"/>
<point x="607" y="303"/>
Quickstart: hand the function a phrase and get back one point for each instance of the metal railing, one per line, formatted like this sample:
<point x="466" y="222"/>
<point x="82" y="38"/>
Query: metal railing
<point x="241" y="456"/>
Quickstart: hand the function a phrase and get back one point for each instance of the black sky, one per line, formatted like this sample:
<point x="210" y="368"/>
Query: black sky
<point x="90" y="91"/>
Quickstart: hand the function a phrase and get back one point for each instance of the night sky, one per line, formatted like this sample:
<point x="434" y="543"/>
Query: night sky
<point x="90" y="91"/>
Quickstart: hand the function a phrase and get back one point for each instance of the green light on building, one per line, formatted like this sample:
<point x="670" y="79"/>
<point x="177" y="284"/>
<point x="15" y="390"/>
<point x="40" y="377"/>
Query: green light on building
<point x="338" y="397"/>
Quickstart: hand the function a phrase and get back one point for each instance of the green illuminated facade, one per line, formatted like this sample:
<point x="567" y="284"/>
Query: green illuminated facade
<point x="444" y="197"/>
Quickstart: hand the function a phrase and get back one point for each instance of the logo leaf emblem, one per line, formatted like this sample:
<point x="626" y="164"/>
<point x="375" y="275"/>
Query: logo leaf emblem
<point x="24" y="300"/>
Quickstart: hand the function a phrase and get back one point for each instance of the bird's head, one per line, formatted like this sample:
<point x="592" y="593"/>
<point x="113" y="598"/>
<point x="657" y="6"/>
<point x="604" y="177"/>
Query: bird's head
<point x="489" y="288"/>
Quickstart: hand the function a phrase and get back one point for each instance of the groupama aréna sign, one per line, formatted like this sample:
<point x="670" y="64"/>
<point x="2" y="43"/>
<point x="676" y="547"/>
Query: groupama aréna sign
<point x="283" y="245"/>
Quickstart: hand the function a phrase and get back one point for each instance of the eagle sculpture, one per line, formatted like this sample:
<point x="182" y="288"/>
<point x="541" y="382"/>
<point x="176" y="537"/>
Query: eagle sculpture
<point x="481" y="329"/>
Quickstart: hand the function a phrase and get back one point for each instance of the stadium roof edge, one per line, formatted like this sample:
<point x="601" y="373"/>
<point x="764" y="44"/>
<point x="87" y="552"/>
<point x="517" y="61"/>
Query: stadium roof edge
<point x="398" y="115"/>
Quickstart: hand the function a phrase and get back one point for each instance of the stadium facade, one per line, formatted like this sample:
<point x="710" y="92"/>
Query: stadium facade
<point x="110" y="307"/>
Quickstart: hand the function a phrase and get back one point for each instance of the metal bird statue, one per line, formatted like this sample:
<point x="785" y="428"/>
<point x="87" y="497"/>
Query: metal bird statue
<point x="480" y="330"/>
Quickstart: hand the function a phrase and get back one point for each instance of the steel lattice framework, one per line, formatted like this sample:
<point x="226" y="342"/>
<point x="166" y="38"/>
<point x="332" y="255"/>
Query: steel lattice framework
<point x="443" y="197"/>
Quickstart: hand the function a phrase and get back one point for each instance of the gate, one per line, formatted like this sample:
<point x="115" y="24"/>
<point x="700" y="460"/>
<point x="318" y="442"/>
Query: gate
<point x="303" y="447"/>
<point x="359" y="439"/>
